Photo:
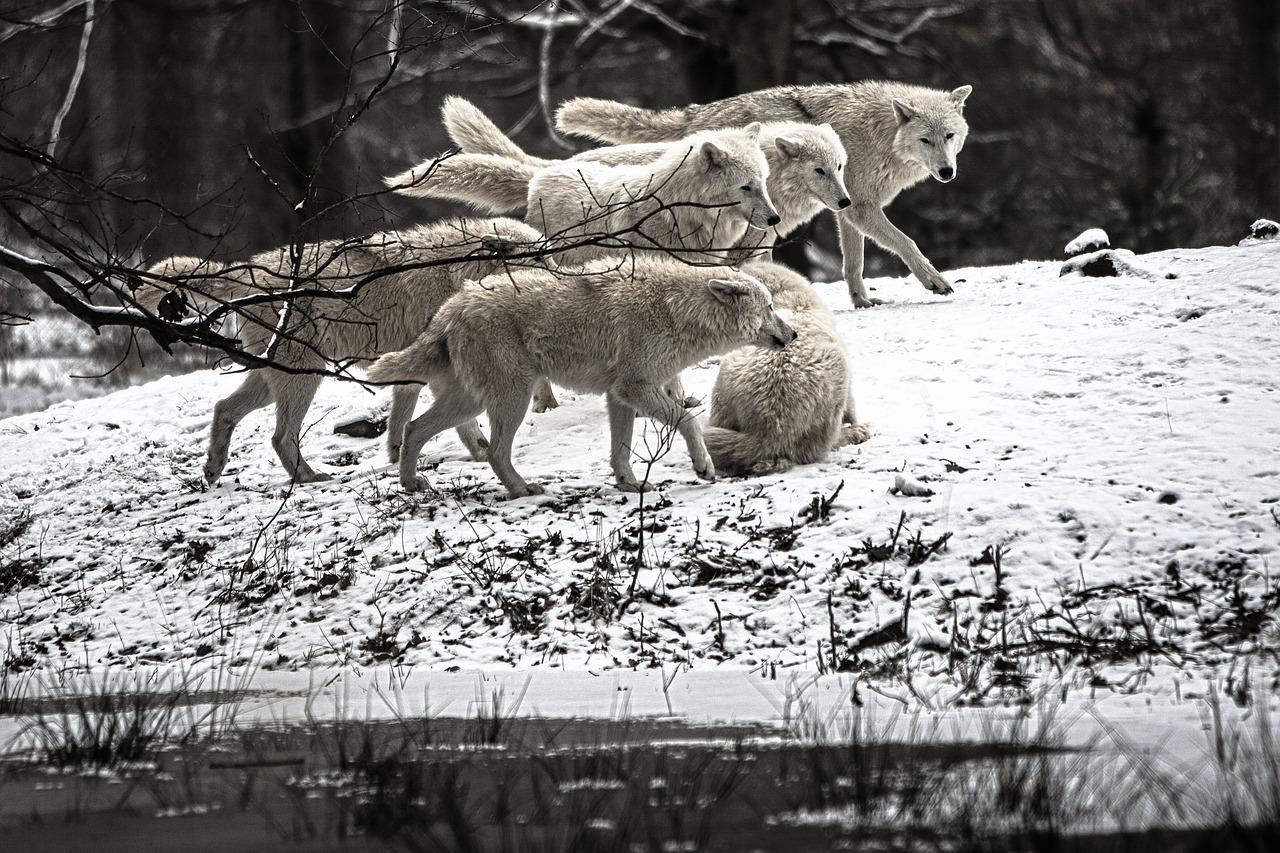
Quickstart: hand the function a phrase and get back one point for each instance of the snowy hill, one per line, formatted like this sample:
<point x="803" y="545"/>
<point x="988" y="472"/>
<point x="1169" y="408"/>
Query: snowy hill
<point x="1104" y="454"/>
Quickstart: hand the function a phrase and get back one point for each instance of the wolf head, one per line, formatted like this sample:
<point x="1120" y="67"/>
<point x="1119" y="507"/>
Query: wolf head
<point x="932" y="130"/>
<point x="739" y="174"/>
<point x="814" y="158"/>
<point x="751" y="306"/>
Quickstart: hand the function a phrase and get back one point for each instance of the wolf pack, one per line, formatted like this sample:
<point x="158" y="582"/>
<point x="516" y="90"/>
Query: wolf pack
<point x="631" y="263"/>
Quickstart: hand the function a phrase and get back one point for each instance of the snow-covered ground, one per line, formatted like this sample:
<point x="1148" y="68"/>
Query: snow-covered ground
<point x="1114" y="442"/>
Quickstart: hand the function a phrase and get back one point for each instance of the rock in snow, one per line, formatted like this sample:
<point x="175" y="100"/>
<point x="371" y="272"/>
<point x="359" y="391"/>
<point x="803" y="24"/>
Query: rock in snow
<point x="1090" y="240"/>
<point x="1263" y="229"/>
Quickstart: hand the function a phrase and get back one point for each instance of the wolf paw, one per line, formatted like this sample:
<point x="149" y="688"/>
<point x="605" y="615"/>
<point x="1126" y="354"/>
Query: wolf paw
<point x="415" y="484"/>
<point x="708" y="473"/>
<point x="690" y="402"/>
<point x="545" y="404"/>
<point x="933" y="280"/>
<point x="634" y="485"/>
<point x="770" y="466"/>
<point x="855" y="434"/>
<point x="479" y="450"/>
<point x="527" y="490"/>
<point x="866" y="301"/>
<point x="310" y="476"/>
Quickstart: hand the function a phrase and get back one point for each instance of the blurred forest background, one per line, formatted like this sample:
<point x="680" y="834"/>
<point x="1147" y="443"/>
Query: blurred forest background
<point x="222" y="127"/>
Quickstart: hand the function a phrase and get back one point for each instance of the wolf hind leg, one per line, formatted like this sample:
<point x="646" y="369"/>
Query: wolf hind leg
<point x="253" y="393"/>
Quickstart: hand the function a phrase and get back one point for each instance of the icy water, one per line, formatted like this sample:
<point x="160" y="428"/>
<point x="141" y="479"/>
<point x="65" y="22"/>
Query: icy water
<point x="470" y="766"/>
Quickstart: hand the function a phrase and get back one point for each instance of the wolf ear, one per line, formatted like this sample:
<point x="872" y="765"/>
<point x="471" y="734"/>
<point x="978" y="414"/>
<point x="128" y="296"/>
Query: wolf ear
<point x="753" y="129"/>
<point x="788" y="147"/>
<point x="904" y="111"/>
<point x="713" y="154"/>
<point x="726" y="290"/>
<point x="959" y="95"/>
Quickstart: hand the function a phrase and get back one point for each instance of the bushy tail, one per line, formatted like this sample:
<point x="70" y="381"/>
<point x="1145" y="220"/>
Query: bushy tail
<point x="740" y="453"/>
<point x="491" y="183"/>
<point x="473" y="132"/>
<point x="610" y="121"/>
<point x="200" y="290"/>
<point x="419" y="362"/>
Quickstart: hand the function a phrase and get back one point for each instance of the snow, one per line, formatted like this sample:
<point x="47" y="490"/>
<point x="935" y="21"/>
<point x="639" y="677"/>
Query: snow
<point x="1089" y="240"/>
<point x="1095" y="434"/>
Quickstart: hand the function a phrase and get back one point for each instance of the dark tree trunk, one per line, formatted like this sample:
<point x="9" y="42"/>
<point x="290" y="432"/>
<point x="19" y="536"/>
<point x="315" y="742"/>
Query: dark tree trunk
<point x="1257" y="133"/>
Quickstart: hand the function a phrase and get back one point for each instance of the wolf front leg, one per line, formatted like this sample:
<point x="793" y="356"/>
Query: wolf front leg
<point x="851" y="251"/>
<point x="654" y="402"/>
<point x="622" y="422"/>
<point x="870" y="219"/>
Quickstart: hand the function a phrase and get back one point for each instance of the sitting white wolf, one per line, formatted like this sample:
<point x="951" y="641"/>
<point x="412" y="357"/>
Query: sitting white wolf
<point x="622" y="332"/>
<point x="771" y="410"/>
<point x="896" y="136"/>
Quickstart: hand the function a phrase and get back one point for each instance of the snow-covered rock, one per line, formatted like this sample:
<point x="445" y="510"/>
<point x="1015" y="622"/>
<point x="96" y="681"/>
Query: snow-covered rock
<point x="1090" y="240"/>
<point x="1107" y="263"/>
<point x="1262" y="229"/>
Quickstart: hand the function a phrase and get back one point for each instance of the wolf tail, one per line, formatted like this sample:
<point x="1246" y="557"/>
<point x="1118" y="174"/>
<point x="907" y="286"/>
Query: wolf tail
<point x="419" y="362"/>
<point x="201" y="289"/>
<point x="487" y="181"/>
<point x="741" y="453"/>
<point x="610" y="121"/>
<point x="473" y="132"/>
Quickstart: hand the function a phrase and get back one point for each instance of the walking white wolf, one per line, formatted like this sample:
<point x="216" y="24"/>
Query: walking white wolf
<point x="696" y="200"/>
<point x="774" y="409"/>
<point x="624" y="333"/>
<point x="806" y="162"/>
<point x="388" y="311"/>
<point x="896" y="135"/>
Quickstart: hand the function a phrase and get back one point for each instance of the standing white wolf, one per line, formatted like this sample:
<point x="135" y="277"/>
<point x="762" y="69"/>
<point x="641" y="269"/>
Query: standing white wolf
<point x="896" y="135"/>
<point x="388" y="311"/>
<point x="806" y="162"/>
<point x="696" y="200"/>
<point x="622" y="332"/>
<point x="774" y="409"/>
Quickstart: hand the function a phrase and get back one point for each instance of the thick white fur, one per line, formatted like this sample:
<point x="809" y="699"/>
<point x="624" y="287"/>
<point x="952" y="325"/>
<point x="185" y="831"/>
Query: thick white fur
<point x="806" y="161"/>
<point x="695" y="200"/>
<point x="896" y="135"/>
<point x="774" y="409"/>
<point x="387" y="313"/>
<point x="624" y="333"/>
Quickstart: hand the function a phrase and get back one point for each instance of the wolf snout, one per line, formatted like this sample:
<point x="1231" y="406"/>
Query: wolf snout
<point x="946" y="173"/>
<point x="774" y="219"/>
<point x="844" y="202"/>
<point x="784" y="337"/>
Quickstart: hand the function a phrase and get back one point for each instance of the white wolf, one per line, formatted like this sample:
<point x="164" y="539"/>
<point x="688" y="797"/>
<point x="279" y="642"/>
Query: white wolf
<point x="896" y="136"/>
<point x="603" y="330"/>
<point x="388" y="311"/>
<point x="773" y="409"/>
<point x="806" y="162"/>
<point x="703" y="193"/>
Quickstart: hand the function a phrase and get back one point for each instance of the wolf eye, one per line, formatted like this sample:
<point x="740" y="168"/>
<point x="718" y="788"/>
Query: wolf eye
<point x="747" y="188"/>
<point x="951" y="136"/>
<point x="820" y="170"/>
<point x="925" y="140"/>
<point x="841" y="166"/>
